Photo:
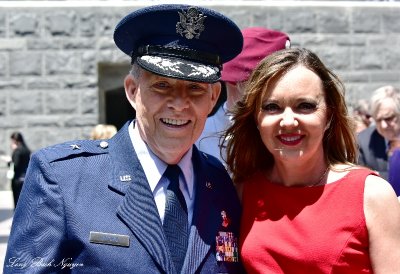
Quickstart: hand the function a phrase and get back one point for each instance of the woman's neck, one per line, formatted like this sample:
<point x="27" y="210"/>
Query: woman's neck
<point x="295" y="174"/>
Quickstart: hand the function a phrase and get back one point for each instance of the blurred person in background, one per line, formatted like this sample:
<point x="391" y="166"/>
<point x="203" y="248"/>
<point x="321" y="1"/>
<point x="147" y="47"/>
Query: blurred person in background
<point x="103" y="132"/>
<point x="361" y="115"/>
<point x="374" y="142"/>
<point x="394" y="166"/>
<point x="18" y="164"/>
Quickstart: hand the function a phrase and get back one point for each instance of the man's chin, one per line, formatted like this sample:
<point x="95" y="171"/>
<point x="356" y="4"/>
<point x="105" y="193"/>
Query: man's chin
<point x="176" y="144"/>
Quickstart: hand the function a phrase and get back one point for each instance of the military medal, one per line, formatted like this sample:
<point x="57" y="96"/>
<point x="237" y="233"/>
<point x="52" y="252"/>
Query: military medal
<point x="226" y="247"/>
<point x="225" y="220"/>
<point x="226" y="242"/>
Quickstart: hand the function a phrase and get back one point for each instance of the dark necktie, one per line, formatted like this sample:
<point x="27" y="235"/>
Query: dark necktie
<point x="175" y="218"/>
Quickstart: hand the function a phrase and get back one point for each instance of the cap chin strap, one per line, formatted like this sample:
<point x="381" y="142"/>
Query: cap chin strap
<point x="184" y="53"/>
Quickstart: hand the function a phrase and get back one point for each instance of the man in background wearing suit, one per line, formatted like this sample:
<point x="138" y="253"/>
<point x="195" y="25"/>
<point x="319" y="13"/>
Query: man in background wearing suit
<point x="147" y="200"/>
<point x="375" y="141"/>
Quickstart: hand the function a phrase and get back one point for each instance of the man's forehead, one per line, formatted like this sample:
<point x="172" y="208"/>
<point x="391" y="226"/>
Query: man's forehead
<point x="385" y="113"/>
<point x="150" y="76"/>
<point x="386" y="107"/>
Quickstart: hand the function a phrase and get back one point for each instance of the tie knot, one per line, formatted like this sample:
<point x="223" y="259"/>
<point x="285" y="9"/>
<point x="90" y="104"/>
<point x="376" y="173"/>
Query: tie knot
<point x="172" y="173"/>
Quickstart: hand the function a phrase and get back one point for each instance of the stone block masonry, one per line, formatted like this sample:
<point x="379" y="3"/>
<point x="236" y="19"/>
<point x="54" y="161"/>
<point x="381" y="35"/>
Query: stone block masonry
<point x="49" y="56"/>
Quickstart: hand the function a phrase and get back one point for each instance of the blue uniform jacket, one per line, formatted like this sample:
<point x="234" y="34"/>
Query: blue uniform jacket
<point x="76" y="189"/>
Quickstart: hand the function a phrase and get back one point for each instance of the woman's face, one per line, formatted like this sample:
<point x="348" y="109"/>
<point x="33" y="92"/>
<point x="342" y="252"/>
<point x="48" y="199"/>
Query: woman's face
<point x="293" y="116"/>
<point x="14" y="144"/>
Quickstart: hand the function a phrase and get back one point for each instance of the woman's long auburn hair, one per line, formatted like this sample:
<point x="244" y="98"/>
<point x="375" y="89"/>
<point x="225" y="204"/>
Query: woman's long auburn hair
<point x="245" y="151"/>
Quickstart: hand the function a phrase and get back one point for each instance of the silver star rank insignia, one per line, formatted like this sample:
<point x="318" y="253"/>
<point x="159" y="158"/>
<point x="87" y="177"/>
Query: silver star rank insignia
<point x="75" y="146"/>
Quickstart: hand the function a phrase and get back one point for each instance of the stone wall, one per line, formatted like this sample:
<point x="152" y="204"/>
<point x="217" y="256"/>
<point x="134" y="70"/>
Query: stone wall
<point x="50" y="57"/>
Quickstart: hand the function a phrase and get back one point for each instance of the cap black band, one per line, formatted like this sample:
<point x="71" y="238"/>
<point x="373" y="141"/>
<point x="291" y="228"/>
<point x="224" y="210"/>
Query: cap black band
<point x="190" y="54"/>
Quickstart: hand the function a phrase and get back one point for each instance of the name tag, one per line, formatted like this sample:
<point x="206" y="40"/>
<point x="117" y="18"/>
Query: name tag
<point x="109" y="239"/>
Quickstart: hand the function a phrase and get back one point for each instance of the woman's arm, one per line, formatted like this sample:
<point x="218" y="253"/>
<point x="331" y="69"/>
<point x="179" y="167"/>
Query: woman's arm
<point x="382" y="213"/>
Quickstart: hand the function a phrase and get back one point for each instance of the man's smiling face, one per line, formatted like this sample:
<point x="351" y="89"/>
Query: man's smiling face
<point x="170" y="113"/>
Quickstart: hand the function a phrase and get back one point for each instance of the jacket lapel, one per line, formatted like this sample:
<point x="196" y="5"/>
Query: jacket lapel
<point x="138" y="209"/>
<point x="206" y="219"/>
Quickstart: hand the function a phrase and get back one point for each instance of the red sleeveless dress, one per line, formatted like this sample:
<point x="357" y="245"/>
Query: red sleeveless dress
<point x="317" y="229"/>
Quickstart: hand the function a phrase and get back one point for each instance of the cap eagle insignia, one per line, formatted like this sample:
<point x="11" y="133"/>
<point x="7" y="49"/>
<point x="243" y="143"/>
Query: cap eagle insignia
<point x="191" y="23"/>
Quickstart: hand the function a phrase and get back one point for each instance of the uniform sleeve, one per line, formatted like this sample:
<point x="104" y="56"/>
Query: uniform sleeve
<point x="38" y="229"/>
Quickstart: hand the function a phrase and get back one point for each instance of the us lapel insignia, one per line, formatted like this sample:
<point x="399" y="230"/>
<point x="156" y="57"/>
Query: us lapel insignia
<point x="125" y="178"/>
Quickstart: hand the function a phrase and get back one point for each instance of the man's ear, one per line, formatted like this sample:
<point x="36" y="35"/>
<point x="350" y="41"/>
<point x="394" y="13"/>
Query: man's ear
<point x="130" y="84"/>
<point x="215" y="92"/>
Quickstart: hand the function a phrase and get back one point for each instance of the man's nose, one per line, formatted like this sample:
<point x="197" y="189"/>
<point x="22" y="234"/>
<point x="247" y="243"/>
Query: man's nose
<point x="179" y="101"/>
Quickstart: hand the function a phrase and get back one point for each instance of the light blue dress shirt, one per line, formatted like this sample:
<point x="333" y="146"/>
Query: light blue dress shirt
<point x="214" y="129"/>
<point x="154" y="168"/>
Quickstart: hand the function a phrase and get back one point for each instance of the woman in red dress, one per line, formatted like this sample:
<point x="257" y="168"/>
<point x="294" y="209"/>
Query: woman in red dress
<point x="307" y="208"/>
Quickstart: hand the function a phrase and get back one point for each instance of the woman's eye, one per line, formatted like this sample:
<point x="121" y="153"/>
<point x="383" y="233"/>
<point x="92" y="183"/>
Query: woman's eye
<point x="271" y="107"/>
<point x="307" y="106"/>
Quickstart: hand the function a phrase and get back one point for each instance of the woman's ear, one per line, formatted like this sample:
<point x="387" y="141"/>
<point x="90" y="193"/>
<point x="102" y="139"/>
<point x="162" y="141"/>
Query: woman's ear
<point x="130" y="84"/>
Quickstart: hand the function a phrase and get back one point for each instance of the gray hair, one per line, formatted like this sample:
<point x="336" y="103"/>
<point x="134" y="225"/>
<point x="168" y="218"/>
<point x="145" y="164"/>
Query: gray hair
<point x="381" y="95"/>
<point x="362" y="107"/>
<point x="135" y="70"/>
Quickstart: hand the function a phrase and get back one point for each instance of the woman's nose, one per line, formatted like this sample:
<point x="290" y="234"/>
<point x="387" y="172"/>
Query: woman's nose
<point x="289" y="118"/>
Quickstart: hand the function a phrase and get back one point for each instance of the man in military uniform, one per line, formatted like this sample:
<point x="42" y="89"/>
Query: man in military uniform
<point x="145" y="201"/>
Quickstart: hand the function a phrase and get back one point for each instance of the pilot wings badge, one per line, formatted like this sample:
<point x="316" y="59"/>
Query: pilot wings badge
<point x="191" y="23"/>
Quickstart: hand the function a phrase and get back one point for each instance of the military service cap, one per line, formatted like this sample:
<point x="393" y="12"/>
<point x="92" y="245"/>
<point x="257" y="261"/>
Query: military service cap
<point x="179" y="41"/>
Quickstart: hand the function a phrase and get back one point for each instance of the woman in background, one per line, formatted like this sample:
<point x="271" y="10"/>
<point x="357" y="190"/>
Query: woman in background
<point x="306" y="207"/>
<point x="19" y="159"/>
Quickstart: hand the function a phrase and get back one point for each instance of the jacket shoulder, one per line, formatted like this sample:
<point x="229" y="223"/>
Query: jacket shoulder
<point x="74" y="149"/>
<point x="213" y="161"/>
<point x="366" y="133"/>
